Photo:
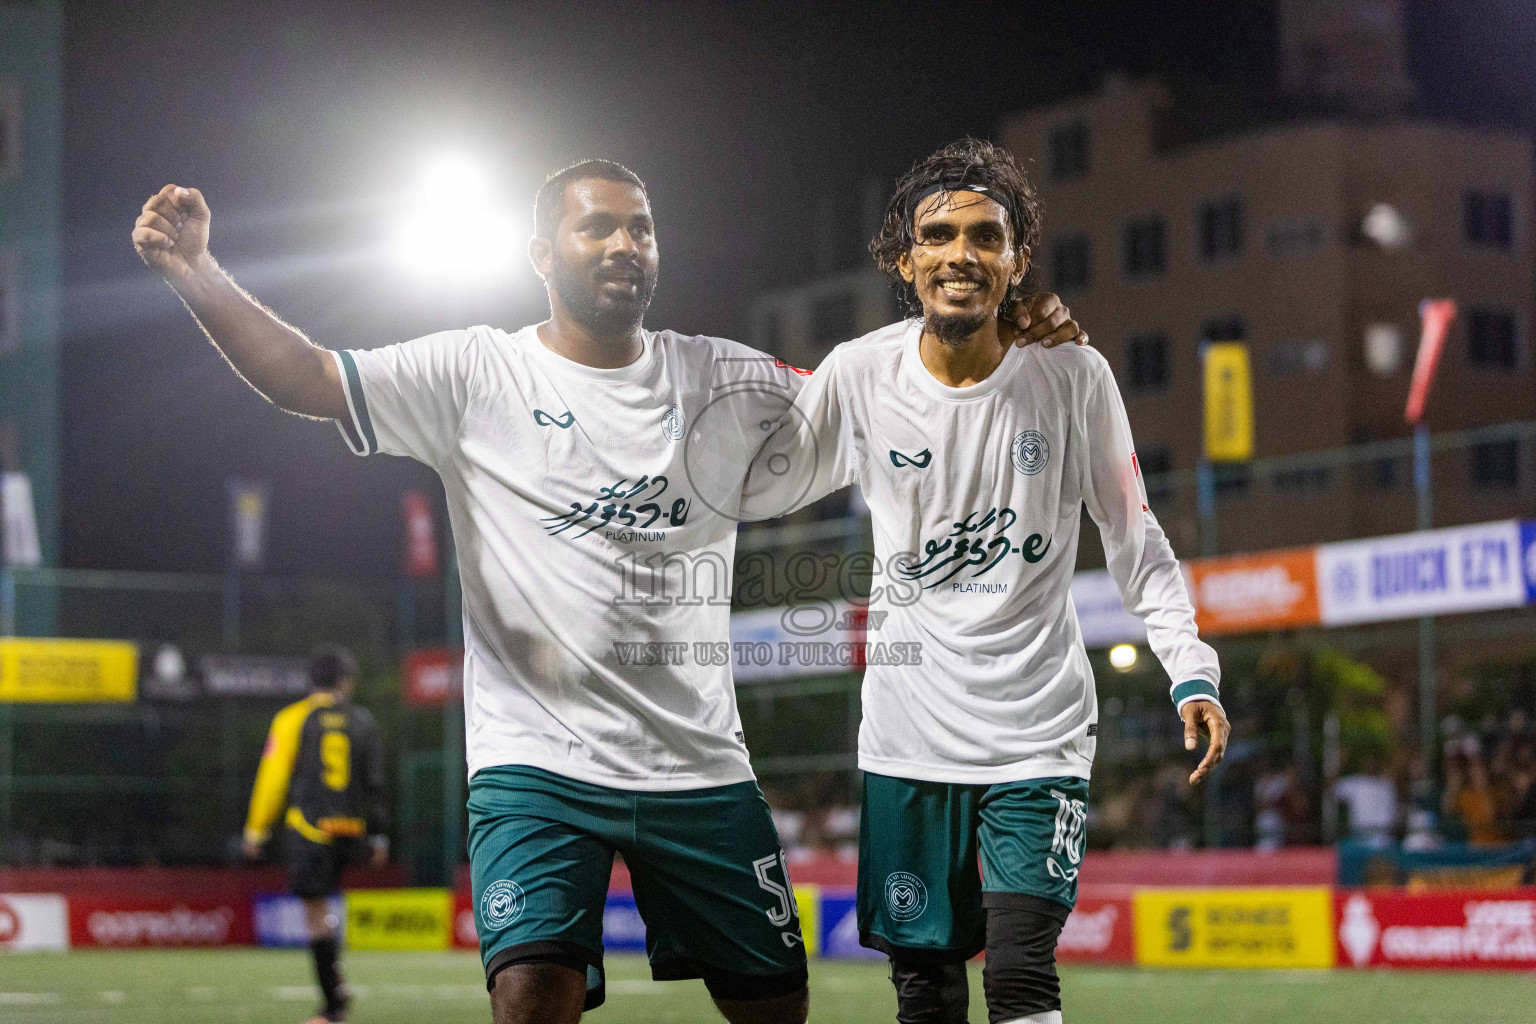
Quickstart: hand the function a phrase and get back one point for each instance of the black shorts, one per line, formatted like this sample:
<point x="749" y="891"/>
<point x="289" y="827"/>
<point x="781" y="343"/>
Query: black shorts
<point x="314" y="869"/>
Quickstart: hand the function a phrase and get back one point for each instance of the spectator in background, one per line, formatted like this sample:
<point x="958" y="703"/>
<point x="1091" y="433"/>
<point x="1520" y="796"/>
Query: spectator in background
<point x="1173" y="827"/>
<point x="1423" y="808"/>
<point x="1269" y="818"/>
<point x="1468" y="795"/>
<point x="1369" y="800"/>
<point x="1522" y="785"/>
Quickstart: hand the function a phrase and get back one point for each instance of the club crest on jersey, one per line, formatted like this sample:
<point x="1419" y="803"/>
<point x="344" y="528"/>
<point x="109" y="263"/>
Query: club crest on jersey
<point x="544" y="419"/>
<point x="1031" y="452"/>
<point x="906" y="897"/>
<point x="672" y="424"/>
<point x="502" y="903"/>
<point x="920" y="460"/>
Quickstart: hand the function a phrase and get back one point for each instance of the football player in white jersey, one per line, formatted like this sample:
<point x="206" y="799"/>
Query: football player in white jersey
<point x="599" y="717"/>
<point x="975" y="458"/>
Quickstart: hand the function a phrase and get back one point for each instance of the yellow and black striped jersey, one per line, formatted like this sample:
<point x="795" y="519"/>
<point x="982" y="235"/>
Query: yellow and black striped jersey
<point x="324" y="765"/>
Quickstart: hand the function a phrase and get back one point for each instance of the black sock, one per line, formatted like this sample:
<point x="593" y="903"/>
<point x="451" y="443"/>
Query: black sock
<point x="328" y="971"/>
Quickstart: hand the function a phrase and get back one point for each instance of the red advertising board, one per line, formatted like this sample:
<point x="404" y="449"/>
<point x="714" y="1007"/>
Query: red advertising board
<point x="420" y="535"/>
<point x="464" y="934"/>
<point x="1098" y="930"/>
<point x="1438" y="930"/>
<point x="126" y="922"/>
<point x="433" y="676"/>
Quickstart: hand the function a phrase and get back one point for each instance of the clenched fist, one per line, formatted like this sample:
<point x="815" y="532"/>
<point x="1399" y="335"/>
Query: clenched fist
<point x="171" y="235"/>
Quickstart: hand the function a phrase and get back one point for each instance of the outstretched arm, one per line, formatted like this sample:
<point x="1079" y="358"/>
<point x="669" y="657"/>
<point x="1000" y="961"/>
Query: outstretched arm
<point x="171" y="235"/>
<point x="1143" y="564"/>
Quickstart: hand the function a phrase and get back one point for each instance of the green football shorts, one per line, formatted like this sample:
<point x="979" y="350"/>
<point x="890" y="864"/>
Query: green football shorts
<point x="920" y="893"/>
<point x="708" y="874"/>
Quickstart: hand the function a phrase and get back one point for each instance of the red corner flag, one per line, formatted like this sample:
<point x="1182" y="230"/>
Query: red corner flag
<point x="1435" y="315"/>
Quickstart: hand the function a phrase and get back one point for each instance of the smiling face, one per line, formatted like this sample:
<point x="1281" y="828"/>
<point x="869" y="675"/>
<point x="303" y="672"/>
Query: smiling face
<point x="962" y="262"/>
<point x="601" y="263"/>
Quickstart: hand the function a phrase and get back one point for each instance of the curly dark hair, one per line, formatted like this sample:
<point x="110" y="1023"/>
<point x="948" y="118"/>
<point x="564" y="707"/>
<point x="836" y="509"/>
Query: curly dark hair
<point x="966" y="162"/>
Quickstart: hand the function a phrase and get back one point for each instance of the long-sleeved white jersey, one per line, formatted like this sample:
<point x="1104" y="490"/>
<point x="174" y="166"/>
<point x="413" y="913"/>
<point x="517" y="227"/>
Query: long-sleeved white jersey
<point x="976" y="496"/>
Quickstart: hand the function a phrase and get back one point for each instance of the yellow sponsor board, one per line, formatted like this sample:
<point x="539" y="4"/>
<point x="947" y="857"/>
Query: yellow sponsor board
<point x="1280" y="926"/>
<point x="808" y="903"/>
<point x="48" y="671"/>
<point x="1228" y="403"/>
<point x="399" y="918"/>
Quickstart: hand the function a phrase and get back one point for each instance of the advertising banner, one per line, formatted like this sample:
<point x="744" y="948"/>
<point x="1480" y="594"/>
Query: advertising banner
<point x="433" y="676"/>
<point x="242" y="675"/>
<point x="1528" y="558"/>
<point x="821" y="638"/>
<point x="840" y="925"/>
<point x="1250" y="593"/>
<point x="465" y="934"/>
<point x="1477" y="930"/>
<point x="279" y="922"/>
<point x="247" y="523"/>
<point x="1434" y="572"/>
<point x="1239" y="927"/>
<point x="33" y="922"/>
<point x="1101" y="615"/>
<point x="623" y="930"/>
<point x="1098" y="931"/>
<point x="47" y="671"/>
<point x="399" y="919"/>
<point x="420" y="535"/>
<point x="1228" y="402"/>
<point x="147" y="921"/>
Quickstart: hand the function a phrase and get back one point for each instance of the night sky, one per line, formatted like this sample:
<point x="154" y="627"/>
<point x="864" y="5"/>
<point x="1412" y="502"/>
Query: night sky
<point x="304" y="122"/>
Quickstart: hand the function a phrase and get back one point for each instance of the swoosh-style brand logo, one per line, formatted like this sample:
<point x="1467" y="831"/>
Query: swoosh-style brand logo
<point x="544" y="419"/>
<point x="920" y="460"/>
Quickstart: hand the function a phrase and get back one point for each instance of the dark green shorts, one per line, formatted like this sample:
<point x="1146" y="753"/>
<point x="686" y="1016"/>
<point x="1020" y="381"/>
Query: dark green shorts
<point x="919" y="889"/>
<point x="708" y="875"/>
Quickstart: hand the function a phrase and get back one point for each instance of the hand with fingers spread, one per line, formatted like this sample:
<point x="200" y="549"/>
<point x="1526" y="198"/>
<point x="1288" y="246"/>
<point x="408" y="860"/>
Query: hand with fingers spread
<point x="1042" y="318"/>
<point x="171" y="234"/>
<point x="1205" y="716"/>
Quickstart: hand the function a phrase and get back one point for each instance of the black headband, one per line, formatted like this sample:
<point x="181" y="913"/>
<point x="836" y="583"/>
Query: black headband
<point x="944" y="186"/>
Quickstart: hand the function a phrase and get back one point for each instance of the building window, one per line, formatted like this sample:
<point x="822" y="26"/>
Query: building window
<point x="834" y="318"/>
<point x="10" y="304"/>
<point x="1294" y="358"/>
<point x="1496" y="464"/>
<point x="1489" y="219"/>
<point x="1156" y="465"/>
<point x="1069" y="152"/>
<point x="1144" y="247"/>
<point x="1069" y="263"/>
<point x="1146" y="363"/>
<point x="10" y="130"/>
<point x="1231" y="479"/>
<point x="1223" y="328"/>
<point x="1293" y="237"/>
<point x="1221" y="229"/>
<point x="1491" y="339"/>
<point x="1307" y="478"/>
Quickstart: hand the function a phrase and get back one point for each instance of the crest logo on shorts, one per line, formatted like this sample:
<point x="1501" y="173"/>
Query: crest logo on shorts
<point x="906" y="897"/>
<point x="502" y="903"/>
<point x="1031" y="452"/>
<point x="672" y="424"/>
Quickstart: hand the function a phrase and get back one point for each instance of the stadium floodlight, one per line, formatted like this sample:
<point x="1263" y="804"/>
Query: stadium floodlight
<point x="1123" y="656"/>
<point x="455" y="231"/>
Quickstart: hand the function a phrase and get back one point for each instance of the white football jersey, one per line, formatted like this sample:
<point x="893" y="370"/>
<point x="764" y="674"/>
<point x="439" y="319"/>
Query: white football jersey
<point x="590" y="511"/>
<point x="977" y="671"/>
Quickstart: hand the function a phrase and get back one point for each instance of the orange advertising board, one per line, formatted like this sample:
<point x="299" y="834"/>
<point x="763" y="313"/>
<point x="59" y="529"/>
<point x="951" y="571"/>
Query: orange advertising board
<point x="1247" y="593"/>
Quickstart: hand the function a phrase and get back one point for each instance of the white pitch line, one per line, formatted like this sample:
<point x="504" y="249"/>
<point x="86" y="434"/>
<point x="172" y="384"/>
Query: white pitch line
<point x="28" y="998"/>
<point x="112" y="995"/>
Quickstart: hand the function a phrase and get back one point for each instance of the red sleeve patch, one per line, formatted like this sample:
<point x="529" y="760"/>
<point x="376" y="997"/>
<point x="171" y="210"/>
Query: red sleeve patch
<point x="781" y="364"/>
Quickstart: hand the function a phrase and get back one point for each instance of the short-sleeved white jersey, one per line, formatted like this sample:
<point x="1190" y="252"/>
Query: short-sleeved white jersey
<point x="975" y="495"/>
<point x="593" y="559"/>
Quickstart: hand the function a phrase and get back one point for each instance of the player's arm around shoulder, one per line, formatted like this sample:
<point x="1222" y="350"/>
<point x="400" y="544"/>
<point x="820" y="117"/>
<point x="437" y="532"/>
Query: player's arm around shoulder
<point x="171" y="235"/>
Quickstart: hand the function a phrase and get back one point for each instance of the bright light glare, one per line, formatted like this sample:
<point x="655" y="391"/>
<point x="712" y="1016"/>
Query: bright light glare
<point x="455" y="229"/>
<point x="1123" y="656"/>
